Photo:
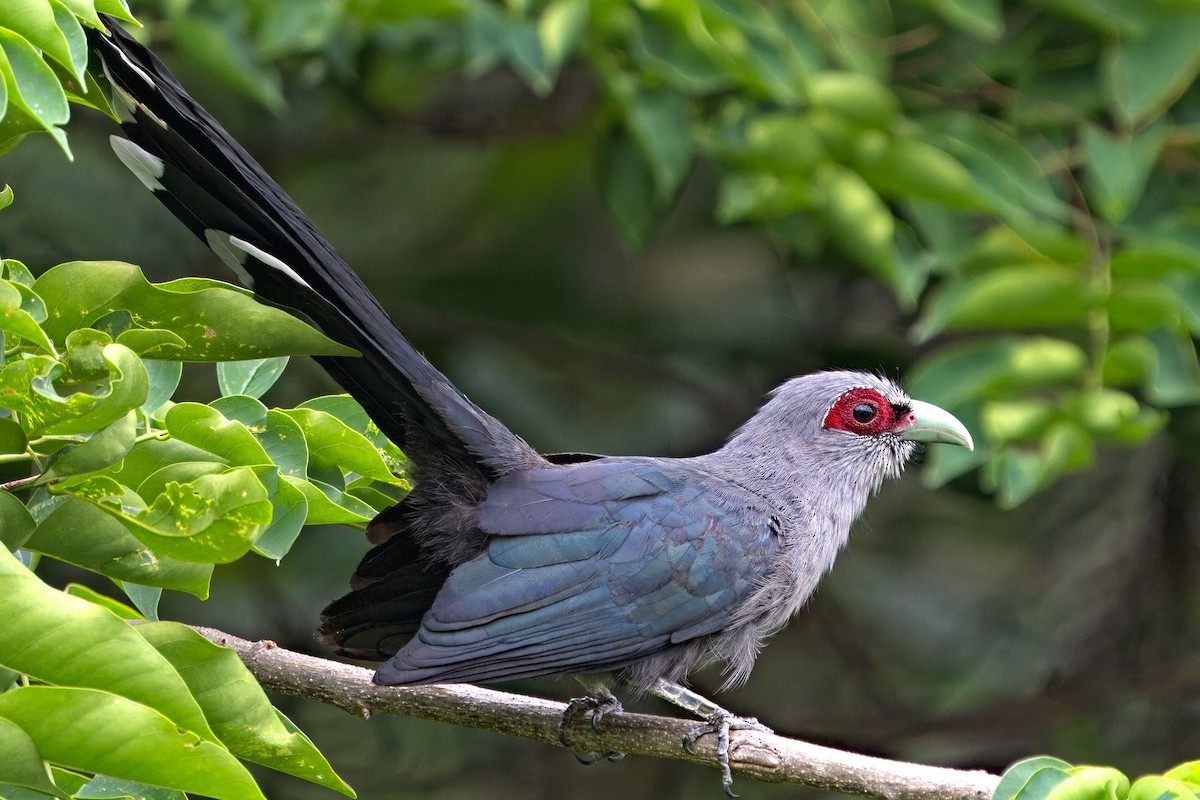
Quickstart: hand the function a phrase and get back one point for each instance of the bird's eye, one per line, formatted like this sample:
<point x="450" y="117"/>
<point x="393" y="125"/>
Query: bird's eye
<point x="864" y="413"/>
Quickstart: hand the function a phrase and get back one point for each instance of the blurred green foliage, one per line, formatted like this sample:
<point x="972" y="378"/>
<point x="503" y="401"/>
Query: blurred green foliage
<point x="1007" y="172"/>
<point x="999" y="196"/>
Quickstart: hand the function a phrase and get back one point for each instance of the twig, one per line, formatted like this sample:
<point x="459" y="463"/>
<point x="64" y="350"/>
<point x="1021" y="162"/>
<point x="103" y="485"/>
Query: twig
<point x="758" y="755"/>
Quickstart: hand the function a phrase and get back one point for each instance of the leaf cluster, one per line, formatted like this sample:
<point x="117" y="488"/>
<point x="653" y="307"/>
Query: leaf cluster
<point x="1046" y="778"/>
<point x="151" y="494"/>
<point x="43" y="65"/>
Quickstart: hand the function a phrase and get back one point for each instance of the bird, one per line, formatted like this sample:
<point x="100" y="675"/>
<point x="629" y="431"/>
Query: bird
<point x="504" y="563"/>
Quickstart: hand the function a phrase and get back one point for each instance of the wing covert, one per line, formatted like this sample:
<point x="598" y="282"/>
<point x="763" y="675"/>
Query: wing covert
<point x="591" y="566"/>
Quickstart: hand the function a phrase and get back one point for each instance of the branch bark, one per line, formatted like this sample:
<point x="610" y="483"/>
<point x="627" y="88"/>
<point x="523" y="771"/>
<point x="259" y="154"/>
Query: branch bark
<point x="763" y="756"/>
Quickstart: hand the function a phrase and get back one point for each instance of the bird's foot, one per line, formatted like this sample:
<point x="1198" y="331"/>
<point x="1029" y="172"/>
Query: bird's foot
<point x="720" y="723"/>
<point x="597" y="708"/>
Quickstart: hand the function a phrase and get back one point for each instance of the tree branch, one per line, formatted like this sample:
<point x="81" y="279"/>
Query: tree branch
<point x="758" y="755"/>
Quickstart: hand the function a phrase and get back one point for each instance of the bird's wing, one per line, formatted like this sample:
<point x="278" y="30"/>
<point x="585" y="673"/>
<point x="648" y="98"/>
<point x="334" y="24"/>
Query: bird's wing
<point x="589" y="568"/>
<point x="207" y="180"/>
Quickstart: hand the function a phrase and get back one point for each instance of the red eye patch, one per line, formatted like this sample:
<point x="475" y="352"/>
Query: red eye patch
<point x="862" y="411"/>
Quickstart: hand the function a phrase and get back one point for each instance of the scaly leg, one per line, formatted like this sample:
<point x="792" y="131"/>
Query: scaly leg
<point x="718" y="721"/>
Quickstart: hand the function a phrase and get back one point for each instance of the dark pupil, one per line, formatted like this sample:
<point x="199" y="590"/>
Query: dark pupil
<point x="863" y="412"/>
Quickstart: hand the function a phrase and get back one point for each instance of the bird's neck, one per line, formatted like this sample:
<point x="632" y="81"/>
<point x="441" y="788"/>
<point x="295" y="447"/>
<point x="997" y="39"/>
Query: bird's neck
<point x="816" y="497"/>
<point x="813" y="488"/>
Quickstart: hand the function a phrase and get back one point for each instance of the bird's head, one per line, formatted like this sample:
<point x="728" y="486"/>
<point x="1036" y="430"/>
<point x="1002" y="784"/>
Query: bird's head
<point x="849" y="429"/>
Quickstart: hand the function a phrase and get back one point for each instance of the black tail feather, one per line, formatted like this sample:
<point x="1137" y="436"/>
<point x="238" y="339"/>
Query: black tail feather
<point x="207" y="180"/>
<point x="219" y="191"/>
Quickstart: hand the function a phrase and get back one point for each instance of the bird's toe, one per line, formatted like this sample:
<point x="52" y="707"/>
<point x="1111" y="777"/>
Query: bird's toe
<point x="597" y="709"/>
<point x="720" y="724"/>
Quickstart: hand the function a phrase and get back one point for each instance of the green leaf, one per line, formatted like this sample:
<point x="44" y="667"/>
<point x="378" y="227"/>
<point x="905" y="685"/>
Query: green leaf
<point x="944" y="464"/>
<point x="15" y="271"/>
<point x="146" y="598"/>
<point x="77" y="728"/>
<point x="1016" y="420"/>
<point x="221" y="47"/>
<point x="749" y="43"/>
<point x="103" y="787"/>
<point x="21" y="764"/>
<point x="85" y="10"/>
<point x="377" y="500"/>
<point x="147" y="342"/>
<point x="79" y="533"/>
<point x="1018" y="296"/>
<point x="776" y="142"/>
<point x="299" y="26"/>
<point x="1031" y="778"/>
<point x="1160" y="787"/>
<point x="252" y="377"/>
<point x="213" y="519"/>
<point x="333" y="445"/>
<point x="283" y="439"/>
<point x="1114" y="415"/>
<point x="523" y="51"/>
<point x="763" y="196"/>
<point x="17" y="320"/>
<point x="855" y="96"/>
<point x="660" y="51"/>
<point x="244" y="409"/>
<point x="1146" y="73"/>
<point x="1188" y="772"/>
<point x="1176" y="379"/>
<point x="6" y="194"/>
<point x="660" y="124"/>
<point x="1136" y="305"/>
<point x="1129" y="361"/>
<point x="862" y="226"/>
<point x="115" y="8"/>
<point x="485" y="39"/>
<point x="240" y="713"/>
<point x="77" y="48"/>
<point x="1005" y="172"/>
<point x="66" y="641"/>
<point x="204" y="427"/>
<point x="559" y="30"/>
<point x="628" y="188"/>
<point x="164" y="380"/>
<point x="289" y="513"/>
<point x="907" y="168"/>
<point x="12" y="437"/>
<point x="347" y="409"/>
<point x="101" y="449"/>
<point x="1118" y="167"/>
<point x="217" y="322"/>
<point x="104" y="601"/>
<point x="988" y="368"/>
<point x="104" y="383"/>
<point x="330" y="506"/>
<point x="150" y="456"/>
<point x="33" y="85"/>
<point x="1153" y="260"/>
<point x="16" y="523"/>
<point x="1017" y="474"/>
<point x="982" y="18"/>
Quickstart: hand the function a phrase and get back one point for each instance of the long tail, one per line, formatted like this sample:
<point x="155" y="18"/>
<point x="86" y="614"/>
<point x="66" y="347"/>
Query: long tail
<point x="218" y="190"/>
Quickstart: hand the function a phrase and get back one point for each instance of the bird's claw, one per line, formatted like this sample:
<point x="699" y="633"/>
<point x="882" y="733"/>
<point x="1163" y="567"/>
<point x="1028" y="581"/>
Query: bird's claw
<point x="597" y="708"/>
<point x="587" y="759"/>
<point x="721" y="723"/>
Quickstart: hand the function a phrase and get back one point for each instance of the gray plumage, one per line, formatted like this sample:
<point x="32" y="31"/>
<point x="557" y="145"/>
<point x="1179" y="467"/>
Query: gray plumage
<point x="651" y="566"/>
